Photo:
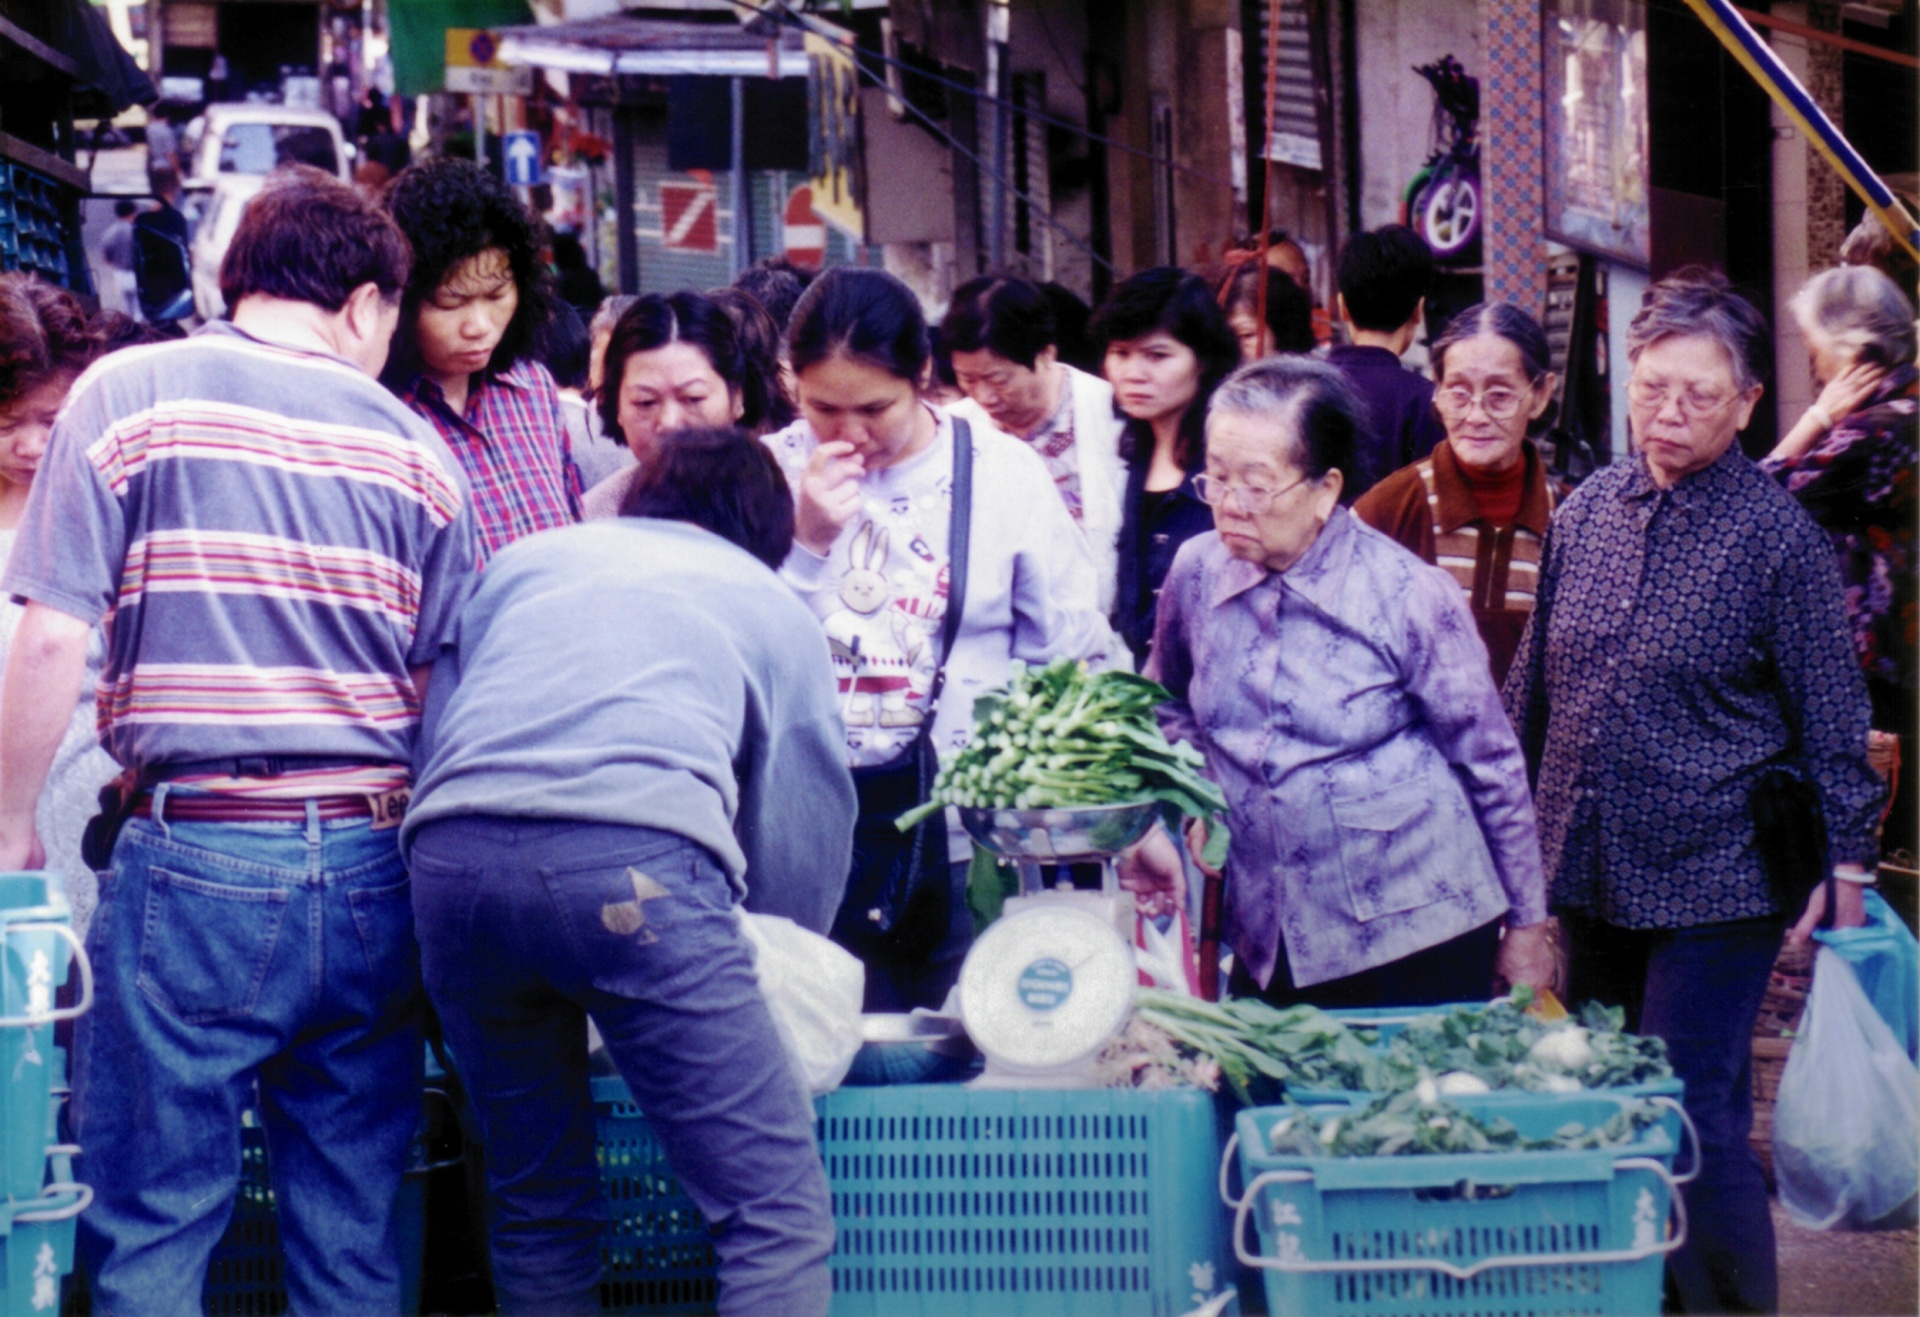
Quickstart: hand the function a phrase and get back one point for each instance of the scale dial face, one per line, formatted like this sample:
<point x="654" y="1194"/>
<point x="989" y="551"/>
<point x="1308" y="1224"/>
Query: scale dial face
<point x="1046" y="988"/>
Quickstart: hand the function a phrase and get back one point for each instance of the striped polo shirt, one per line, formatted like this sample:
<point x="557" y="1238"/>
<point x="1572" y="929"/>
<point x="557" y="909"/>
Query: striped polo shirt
<point x="273" y="540"/>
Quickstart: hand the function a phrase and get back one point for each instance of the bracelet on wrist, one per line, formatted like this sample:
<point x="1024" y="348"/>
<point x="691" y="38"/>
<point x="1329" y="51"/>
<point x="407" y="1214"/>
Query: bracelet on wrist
<point x="1822" y="417"/>
<point x="1858" y="877"/>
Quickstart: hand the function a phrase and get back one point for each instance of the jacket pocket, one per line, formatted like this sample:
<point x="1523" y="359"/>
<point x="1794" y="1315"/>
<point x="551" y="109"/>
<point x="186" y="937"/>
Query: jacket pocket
<point x="205" y="946"/>
<point x="1386" y="847"/>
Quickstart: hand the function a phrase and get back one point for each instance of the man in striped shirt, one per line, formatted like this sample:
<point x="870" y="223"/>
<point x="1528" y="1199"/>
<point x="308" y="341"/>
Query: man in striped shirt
<point x="278" y="548"/>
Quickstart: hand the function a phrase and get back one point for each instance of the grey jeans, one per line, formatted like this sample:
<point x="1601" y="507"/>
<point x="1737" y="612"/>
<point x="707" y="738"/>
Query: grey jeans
<point x="528" y="927"/>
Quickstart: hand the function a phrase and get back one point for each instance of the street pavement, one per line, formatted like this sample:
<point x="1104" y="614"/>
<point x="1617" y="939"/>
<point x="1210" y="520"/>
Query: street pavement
<point x="1829" y="1274"/>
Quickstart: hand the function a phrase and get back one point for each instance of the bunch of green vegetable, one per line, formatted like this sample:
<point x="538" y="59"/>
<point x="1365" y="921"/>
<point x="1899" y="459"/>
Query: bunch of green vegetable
<point x="1500" y="1045"/>
<point x="1263" y="1047"/>
<point x="1059" y="737"/>
<point x="1412" y="1123"/>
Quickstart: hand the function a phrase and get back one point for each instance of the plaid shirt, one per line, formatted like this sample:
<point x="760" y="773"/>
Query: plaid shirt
<point x="512" y="444"/>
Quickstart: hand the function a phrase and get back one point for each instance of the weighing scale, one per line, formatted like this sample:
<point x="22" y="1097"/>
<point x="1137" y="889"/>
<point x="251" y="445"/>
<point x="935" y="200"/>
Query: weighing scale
<point x="1050" y="982"/>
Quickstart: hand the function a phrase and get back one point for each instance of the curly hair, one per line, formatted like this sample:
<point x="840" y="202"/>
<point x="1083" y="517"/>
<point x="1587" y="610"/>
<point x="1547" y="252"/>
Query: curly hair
<point x="44" y="335"/>
<point x="451" y="210"/>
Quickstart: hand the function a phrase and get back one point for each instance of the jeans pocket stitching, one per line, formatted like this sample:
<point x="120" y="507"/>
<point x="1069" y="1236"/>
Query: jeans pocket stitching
<point x="149" y="976"/>
<point x="358" y="902"/>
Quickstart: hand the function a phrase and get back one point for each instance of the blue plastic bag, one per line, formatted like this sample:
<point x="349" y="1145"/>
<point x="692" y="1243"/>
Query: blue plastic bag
<point x="1846" y="1125"/>
<point x="1886" y="960"/>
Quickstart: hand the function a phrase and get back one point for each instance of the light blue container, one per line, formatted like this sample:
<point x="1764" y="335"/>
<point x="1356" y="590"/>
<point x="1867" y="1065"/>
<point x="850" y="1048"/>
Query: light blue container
<point x="958" y="1202"/>
<point x="36" y="1239"/>
<point x="40" y="946"/>
<point x="1540" y="1233"/>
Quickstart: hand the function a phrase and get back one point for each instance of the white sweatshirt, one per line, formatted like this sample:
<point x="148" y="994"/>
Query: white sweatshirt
<point x="881" y="591"/>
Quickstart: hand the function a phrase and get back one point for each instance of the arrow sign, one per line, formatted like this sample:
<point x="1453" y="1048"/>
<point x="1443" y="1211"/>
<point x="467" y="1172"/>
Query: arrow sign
<point x="522" y="153"/>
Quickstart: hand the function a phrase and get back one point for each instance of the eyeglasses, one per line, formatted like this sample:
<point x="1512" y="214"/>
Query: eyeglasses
<point x="1256" y="499"/>
<point x="1456" y="403"/>
<point x="1694" y="403"/>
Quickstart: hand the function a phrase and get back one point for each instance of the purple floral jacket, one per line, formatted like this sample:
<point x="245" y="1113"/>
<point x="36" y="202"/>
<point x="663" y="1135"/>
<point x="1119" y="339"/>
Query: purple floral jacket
<point x="1376" y="792"/>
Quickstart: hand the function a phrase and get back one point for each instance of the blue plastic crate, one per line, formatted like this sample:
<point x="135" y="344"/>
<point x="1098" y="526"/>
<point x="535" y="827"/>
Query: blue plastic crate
<point x="37" y="1249"/>
<point x="39" y="947"/>
<point x="958" y="1202"/>
<point x="1490" y="1234"/>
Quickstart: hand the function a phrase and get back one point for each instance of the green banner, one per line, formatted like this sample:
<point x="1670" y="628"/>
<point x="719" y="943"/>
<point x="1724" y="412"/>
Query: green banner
<point x="418" y="32"/>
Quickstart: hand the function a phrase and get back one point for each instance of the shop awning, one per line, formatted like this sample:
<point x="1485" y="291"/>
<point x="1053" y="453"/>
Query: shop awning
<point x="662" y="47"/>
<point x="418" y="31"/>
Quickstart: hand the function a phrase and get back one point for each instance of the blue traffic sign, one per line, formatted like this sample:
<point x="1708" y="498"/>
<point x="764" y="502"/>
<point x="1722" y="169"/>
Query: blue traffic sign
<point x="521" y="152"/>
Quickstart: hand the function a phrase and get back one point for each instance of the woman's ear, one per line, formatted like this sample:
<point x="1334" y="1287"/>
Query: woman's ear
<point x="1543" y="394"/>
<point x="1326" y="493"/>
<point x="739" y="404"/>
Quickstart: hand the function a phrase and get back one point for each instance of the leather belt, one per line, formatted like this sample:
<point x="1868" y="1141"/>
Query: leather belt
<point x="215" y="808"/>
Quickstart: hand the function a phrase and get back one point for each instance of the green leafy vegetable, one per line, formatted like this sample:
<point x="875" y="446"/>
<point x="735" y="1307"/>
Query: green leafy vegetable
<point x="1412" y="1123"/>
<point x="1059" y="736"/>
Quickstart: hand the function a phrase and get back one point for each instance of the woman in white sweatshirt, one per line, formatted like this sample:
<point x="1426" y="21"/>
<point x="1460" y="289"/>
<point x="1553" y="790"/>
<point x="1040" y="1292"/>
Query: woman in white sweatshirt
<point x="873" y="468"/>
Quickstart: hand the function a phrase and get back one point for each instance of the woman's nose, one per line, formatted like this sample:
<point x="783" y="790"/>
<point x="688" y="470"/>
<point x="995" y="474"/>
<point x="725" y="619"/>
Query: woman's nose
<point x="673" y="416"/>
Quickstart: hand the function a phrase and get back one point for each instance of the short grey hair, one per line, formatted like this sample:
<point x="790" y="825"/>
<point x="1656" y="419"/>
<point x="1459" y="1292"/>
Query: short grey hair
<point x="1320" y="417"/>
<point x="608" y="314"/>
<point x="1701" y="303"/>
<point x="1859" y="310"/>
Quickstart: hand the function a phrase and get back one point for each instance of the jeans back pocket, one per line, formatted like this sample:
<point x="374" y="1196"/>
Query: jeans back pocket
<point x="205" y="946"/>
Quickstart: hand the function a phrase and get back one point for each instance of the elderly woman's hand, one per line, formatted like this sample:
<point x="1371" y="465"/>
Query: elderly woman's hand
<point x="1846" y="391"/>
<point x="1850" y="911"/>
<point x="1197" y="847"/>
<point x="1532" y="956"/>
<point x="1152" y="871"/>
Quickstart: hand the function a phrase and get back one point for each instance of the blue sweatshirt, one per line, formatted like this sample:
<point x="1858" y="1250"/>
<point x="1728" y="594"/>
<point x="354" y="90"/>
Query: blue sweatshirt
<point x="647" y="673"/>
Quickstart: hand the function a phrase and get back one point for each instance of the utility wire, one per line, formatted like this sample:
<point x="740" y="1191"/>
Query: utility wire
<point x="1042" y="211"/>
<point x="780" y="13"/>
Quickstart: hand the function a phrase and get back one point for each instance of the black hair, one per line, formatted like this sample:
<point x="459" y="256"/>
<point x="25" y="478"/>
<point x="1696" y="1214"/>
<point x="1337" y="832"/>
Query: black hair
<point x="685" y="317"/>
<point x="1010" y="318"/>
<point x="723" y="480"/>
<point x="759" y="340"/>
<point x="566" y="347"/>
<point x="308" y="237"/>
<point x="451" y="210"/>
<point x="1506" y="321"/>
<point x="1289" y="306"/>
<point x="124" y="209"/>
<point x="44" y="335"/>
<point x="775" y="289"/>
<point x="1328" y="419"/>
<point x="1181" y="304"/>
<point x="1070" y="316"/>
<point x="862" y="314"/>
<point x="1383" y="275"/>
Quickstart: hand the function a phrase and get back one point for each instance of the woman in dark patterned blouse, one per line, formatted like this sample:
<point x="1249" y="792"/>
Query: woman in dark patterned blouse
<point x="1851" y="463"/>
<point x="1688" y="634"/>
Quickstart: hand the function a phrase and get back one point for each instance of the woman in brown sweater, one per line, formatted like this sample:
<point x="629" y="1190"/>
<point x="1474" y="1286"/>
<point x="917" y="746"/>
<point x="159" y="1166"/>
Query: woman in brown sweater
<point x="1478" y="505"/>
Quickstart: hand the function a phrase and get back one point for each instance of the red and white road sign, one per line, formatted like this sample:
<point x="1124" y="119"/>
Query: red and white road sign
<point x="689" y="217"/>
<point x="806" y="233"/>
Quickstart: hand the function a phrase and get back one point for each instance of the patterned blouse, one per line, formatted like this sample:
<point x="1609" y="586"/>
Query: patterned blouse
<point x="1858" y="483"/>
<point x="1682" y="641"/>
<point x="1054" y="442"/>
<point x="512" y="445"/>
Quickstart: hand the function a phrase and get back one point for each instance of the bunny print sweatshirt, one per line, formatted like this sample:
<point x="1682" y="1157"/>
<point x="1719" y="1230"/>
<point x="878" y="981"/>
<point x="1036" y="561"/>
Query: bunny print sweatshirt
<point x="881" y="592"/>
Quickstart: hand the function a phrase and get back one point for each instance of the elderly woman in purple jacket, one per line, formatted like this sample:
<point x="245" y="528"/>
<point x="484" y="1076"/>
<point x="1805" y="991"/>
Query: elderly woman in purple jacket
<point x="1384" y="849"/>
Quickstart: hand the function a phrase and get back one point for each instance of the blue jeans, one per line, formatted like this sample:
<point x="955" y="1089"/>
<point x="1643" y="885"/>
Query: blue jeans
<point x="230" y="953"/>
<point x="527" y="927"/>
<point x="1700" y="989"/>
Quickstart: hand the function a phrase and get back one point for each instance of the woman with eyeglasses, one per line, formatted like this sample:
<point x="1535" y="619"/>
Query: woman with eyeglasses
<point x="1478" y="504"/>
<point x="1384" y="850"/>
<point x="1689" y="637"/>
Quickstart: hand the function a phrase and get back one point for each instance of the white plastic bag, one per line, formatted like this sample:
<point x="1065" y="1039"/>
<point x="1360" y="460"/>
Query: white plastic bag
<point x="1846" y="1125"/>
<point x="814" y="988"/>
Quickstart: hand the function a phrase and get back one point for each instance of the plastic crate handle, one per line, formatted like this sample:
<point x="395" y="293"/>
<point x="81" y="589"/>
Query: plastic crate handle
<point x="82" y="1193"/>
<point x="1226" y="1171"/>
<point x="80" y="962"/>
<point x="1265" y="1178"/>
<point x="1687" y="1128"/>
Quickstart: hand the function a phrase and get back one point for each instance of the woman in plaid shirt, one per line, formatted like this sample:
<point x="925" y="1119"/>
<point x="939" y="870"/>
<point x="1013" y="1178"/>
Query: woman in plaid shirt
<point x="463" y="354"/>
